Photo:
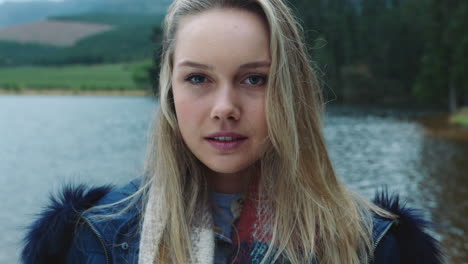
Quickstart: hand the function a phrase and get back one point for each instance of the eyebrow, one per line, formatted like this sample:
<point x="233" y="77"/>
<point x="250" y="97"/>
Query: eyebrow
<point x="249" y="65"/>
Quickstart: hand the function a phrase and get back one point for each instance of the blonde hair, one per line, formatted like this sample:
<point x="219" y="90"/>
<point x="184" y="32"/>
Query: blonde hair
<point x="314" y="215"/>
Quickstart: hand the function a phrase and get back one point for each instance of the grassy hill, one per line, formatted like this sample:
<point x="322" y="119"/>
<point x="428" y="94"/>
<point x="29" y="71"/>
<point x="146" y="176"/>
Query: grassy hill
<point x="117" y="59"/>
<point x="52" y="32"/>
<point x="132" y="37"/>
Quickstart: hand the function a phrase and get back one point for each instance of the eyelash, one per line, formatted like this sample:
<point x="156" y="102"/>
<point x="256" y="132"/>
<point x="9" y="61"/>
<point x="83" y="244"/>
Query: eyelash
<point x="263" y="77"/>
<point x="189" y="79"/>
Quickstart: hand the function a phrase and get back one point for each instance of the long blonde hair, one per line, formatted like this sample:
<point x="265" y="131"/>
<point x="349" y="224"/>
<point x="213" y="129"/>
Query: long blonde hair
<point x="314" y="215"/>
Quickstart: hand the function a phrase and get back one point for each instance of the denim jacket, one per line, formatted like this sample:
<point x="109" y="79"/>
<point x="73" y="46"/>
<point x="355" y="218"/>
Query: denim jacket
<point x="55" y="237"/>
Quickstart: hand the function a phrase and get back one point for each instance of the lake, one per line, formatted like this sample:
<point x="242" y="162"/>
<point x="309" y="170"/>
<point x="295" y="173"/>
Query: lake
<point x="49" y="141"/>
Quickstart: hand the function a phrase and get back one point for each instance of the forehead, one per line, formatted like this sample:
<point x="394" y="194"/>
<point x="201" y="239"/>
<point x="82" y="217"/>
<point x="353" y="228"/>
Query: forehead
<point x="228" y="33"/>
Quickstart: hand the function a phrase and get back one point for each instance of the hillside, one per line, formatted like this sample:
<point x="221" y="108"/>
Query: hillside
<point x="50" y="32"/>
<point x="116" y="19"/>
<point x="84" y="39"/>
<point x="16" y="13"/>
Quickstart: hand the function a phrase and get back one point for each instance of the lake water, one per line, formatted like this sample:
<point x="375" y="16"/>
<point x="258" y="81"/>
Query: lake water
<point x="47" y="141"/>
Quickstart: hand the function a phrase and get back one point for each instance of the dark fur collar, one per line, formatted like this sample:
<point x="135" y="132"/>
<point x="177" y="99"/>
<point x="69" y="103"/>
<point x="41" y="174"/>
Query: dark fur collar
<point x="415" y="244"/>
<point x="49" y="237"/>
<point x="51" y="234"/>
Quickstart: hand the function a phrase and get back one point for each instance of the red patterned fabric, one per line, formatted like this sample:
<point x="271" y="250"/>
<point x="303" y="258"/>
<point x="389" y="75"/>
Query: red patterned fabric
<point x="254" y="229"/>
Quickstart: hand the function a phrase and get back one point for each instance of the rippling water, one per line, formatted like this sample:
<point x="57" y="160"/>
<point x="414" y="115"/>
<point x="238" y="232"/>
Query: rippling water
<point x="375" y="148"/>
<point x="46" y="141"/>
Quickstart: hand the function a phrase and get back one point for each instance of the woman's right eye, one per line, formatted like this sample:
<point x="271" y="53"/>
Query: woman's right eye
<point x="196" y="79"/>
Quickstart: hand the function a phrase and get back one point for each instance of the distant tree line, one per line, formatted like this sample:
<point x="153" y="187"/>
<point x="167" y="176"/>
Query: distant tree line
<point x="116" y="19"/>
<point x="123" y="44"/>
<point x="365" y="51"/>
<point x="389" y="51"/>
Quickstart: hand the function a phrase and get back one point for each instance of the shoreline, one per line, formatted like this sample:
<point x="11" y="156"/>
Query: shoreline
<point x="460" y="118"/>
<point x="440" y="125"/>
<point x="67" y="92"/>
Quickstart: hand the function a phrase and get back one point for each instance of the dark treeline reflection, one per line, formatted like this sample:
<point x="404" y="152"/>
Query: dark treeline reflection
<point x="390" y="51"/>
<point x="444" y="163"/>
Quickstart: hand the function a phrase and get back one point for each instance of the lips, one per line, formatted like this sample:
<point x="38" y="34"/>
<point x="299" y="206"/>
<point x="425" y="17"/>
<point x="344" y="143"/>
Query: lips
<point x="226" y="140"/>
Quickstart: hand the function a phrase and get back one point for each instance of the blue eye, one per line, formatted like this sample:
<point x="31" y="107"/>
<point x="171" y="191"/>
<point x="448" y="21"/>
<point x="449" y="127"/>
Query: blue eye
<point x="255" y="80"/>
<point x="196" y="79"/>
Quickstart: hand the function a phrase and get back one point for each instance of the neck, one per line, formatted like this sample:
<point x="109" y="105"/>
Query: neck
<point x="232" y="182"/>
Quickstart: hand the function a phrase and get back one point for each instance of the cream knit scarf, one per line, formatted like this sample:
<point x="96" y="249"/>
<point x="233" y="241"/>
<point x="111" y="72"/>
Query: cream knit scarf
<point x="154" y="221"/>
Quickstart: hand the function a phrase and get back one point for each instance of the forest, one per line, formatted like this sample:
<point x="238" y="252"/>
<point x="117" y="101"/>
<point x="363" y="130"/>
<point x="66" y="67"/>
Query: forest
<point x="386" y="52"/>
<point x="389" y="51"/>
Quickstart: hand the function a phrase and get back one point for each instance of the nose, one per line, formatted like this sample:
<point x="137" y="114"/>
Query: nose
<point x="226" y="105"/>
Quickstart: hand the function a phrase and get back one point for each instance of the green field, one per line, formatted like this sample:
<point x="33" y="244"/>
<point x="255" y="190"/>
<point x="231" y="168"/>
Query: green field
<point x="461" y="117"/>
<point x="106" y="77"/>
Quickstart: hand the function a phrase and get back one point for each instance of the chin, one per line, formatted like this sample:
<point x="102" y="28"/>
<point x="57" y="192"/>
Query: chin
<point x="224" y="170"/>
<point x="229" y="169"/>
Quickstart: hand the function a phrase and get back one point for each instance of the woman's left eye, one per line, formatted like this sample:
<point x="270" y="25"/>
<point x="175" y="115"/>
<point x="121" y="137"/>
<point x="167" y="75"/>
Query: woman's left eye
<point x="196" y="79"/>
<point x="255" y="80"/>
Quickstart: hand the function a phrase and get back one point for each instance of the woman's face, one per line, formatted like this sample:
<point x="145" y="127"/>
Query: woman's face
<point x="219" y="81"/>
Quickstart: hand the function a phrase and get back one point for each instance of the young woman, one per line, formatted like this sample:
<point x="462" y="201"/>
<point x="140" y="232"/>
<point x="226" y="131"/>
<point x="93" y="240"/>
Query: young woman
<point x="238" y="171"/>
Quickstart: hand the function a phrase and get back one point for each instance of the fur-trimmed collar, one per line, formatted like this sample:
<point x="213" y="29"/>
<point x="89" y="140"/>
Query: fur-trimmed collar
<point x="415" y="244"/>
<point x="48" y="238"/>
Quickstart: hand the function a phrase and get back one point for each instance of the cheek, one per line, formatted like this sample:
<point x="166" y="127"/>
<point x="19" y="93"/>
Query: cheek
<point x="184" y="111"/>
<point x="259" y="115"/>
<point x="189" y="112"/>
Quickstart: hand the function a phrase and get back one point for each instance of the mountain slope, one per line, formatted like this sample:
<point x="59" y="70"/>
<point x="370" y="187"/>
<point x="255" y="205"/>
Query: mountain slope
<point x="15" y="13"/>
<point x="56" y="33"/>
